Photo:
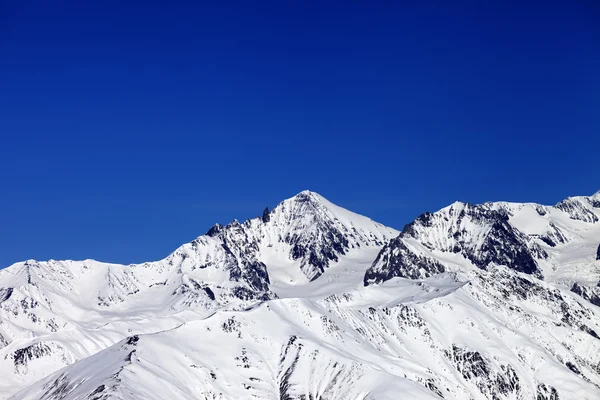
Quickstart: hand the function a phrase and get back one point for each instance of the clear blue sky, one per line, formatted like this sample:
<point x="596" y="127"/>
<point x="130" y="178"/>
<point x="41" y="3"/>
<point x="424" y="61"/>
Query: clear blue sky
<point x="129" y="128"/>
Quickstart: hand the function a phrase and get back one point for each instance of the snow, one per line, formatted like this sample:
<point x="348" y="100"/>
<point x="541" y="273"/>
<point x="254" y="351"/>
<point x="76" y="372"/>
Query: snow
<point x="176" y="328"/>
<point x="343" y="276"/>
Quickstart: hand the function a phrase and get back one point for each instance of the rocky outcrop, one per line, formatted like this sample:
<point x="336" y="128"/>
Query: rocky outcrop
<point x="578" y="209"/>
<point x="589" y="293"/>
<point x="475" y="368"/>
<point x="480" y="233"/>
<point x="396" y="259"/>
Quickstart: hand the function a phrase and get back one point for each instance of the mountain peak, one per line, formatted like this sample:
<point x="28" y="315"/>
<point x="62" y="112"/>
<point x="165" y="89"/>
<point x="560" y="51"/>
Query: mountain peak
<point x="307" y="195"/>
<point x="306" y="230"/>
<point x="318" y="231"/>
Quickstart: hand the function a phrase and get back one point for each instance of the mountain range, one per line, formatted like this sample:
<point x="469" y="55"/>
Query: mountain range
<point x="311" y="301"/>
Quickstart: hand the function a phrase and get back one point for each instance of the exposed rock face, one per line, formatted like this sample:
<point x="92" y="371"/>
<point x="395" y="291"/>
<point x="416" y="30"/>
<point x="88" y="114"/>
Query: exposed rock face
<point x="241" y="257"/>
<point x="319" y="232"/>
<point x="546" y="393"/>
<point x="578" y="209"/>
<point x="494" y="384"/>
<point x="5" y="294"/>
<point x="590" y="293"/>
<point x="23" y="356"/>
<point x="308" y="228"/>
<point x="486" y="234"/>
<point x="480" y="233"/>
<point x="396" y="259"/>
<point x="553" y="236"/>
<point x="265" y="216"/>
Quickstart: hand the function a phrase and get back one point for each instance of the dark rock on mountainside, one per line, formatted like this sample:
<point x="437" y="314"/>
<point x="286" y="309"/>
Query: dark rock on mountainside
<point x="214" y="231"/>
<point x="598" y="253"/>
<point x="241" y="261"/>
<point x="317" y="236"/>
<point x="209" y="293"/>
<point x="22" y="356"/>
<point x="319" y="257"/>
<point x="573" y="367"/>
<point x="458" y="229"/>
<point x="577" y="210"/>
<point x="306" y="222"/>
<point x="502" y="244"/>
<point x="397" y="260"/>
<point x="5" y="294"/>
<point x="325" y="243"/>
<point x="589" y="331"/>
<point x="292" y="352"/>
<point x="59" y="388"/>
<point x="546" y="393"/>
<point x="554" y="236"/>
<point x="265" y="217"/>
<point x="3" y="341"/>
<point x="591" y="294"/>
<point x="492" y="382"/>
<point x="132" y="340"/>
<point x="97" y="393"/>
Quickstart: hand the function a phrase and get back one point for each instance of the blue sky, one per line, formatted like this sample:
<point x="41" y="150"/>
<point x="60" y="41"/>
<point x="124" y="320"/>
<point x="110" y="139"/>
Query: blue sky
<point x="129" y="128"/>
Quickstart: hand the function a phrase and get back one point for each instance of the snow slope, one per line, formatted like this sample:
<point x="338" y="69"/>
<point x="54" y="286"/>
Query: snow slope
<point x="311" y="301"/>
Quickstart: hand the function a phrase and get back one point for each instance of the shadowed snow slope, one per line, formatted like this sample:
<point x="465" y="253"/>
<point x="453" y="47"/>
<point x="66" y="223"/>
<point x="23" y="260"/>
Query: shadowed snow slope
<point x="311" y="301"/>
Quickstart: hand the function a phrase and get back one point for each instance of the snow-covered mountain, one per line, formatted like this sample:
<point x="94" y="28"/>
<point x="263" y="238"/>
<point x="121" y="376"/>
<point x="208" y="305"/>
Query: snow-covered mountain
<point x="311" y="301"/>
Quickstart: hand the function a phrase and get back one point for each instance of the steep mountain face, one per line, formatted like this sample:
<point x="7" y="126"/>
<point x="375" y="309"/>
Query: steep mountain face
<point x="591" y="294"/>
<point x="578" y="208"/>
<point x="526" y="238"/>
<point x="315" y="233"/>
<point x="482" y="234"/>
<point x="311" y="301"/>
<point x="399" y="259"/>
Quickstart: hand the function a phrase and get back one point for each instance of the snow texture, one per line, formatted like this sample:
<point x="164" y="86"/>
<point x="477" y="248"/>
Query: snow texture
<point x="311" y="301"/>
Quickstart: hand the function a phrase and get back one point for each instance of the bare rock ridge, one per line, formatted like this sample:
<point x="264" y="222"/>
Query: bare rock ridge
<point x="589" y="293"/>
<point x="483" y="234"/>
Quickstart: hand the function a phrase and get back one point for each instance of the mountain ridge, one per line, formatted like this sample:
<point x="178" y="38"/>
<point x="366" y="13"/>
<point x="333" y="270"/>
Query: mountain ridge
<point x="342" y="274"/>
